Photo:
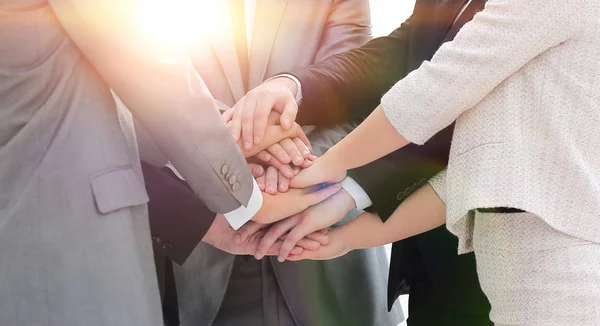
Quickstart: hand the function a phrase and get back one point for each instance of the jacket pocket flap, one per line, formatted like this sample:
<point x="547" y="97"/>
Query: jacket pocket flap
<point x="118" y="188"/>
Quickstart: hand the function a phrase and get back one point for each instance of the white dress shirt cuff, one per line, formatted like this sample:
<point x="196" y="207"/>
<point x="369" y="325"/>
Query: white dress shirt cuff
<point x="357" y="193"/>
<point x="298" y="85"/>
<point x="239" y="216"/>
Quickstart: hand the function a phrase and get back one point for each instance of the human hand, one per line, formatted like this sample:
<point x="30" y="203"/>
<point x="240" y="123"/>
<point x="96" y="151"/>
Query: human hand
<point x="274" y="180"/>
<point x="329" y="168"/>
<point x="222" y="236"/>
<point x="317" y="217"/>
<point x="288" y="151"/>
<point x="312" y="241"/>
<point x="285" y="204"/>
<point x="365" y="231"/>
<point x="251" y="113"/>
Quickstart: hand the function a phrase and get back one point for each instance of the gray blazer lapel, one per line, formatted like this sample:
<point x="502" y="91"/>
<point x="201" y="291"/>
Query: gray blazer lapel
<point x="266" y="24"/>
<point x="226" y="51"/>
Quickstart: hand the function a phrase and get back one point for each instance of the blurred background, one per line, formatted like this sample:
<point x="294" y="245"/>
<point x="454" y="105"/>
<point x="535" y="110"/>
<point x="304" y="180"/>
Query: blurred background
<point x="386" y="16"/>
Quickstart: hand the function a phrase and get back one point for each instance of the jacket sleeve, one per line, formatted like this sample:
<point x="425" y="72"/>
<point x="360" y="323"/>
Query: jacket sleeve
<point x="154" y="78"/>
<point x="496" y="44"/>
<point x="178" y="219"/>
<point x="349" y="85"/>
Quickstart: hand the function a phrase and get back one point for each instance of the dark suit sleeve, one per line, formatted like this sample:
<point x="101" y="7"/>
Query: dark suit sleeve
<point x="348" y="86"/>
<point x="391" y="179"/>
<point x="178" y="218"/>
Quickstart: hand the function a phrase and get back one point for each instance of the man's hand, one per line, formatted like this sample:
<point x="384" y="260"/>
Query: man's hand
<point x="251" y="113"/>
<point x="317" y="217"/>
<point x="222" y="236"/>
<point x="285" y="204"/>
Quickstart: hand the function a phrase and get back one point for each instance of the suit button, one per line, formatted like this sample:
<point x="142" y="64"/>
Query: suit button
<point x="167" y="246"/>
<point x="235" y="186"/>
<point x="232" y="180"/>
<point x="224" y="169"/>
<point x="156" y="240"/>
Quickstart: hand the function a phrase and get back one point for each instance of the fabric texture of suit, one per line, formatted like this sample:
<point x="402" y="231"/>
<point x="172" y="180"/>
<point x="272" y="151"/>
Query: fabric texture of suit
<point x="287" y="34"/>
<point x="74" y="232"/>
<point x="444" y="288"/>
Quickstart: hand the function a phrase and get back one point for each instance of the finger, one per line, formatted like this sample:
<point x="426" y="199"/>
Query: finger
<point x="324" y="231"/>
<point x="257" y="170"/>
<point x="248" y="122"/>
<point x="236" y="121"/>
<point x="279" y="152"/>
<point x="298" y="233"/>
<point x="285" y="169"/>
<point x="227" y="115"/>
<point x="297" y="170"/>
<point x="304" y="139"/>
<point x="313" y="157"/>
<point x="261" y="183"/>
<point x="307" y="244"/>
<point x="275" y="232"/>
<point x="284" y="183"/>
<point x="264" y="156"/>
<point x="246" y="231"/>
<point x="308" y="255"/>
<point x="318" y="236"/>
<point x="301" y="146"/>
<point x="288" y="115"/>
<point x="264" y="104"/>
<point x="290" y="148"/>
<point x="306" y="164"/>
<point x="271" y="180"/>
<point x="274" y="250"/>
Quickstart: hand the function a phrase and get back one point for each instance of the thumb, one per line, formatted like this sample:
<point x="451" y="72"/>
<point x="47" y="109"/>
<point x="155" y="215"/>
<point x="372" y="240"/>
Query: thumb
<point x="288" y="115"/>
<point x="246" y="231"/>
<point x="227" y="115"/>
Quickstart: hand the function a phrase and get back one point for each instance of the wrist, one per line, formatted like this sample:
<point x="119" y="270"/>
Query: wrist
<point x="288" y="83"/>
<point x="347" y="200"/>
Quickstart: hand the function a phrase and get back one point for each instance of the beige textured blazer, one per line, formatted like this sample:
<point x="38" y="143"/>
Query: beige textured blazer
<point x="521" y="81"/>
<point x="74" y="239"/>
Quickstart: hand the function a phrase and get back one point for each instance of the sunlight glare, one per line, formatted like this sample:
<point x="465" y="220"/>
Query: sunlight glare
<point x="176" y="23"/>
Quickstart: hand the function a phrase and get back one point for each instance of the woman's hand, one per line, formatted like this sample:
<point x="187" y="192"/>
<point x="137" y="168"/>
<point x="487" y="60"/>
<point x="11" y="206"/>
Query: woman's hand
<point x="338" y="246"/>
<point x="360" y="233"/>
<point x="285" y="204"/>
<point x="326" y="169"/>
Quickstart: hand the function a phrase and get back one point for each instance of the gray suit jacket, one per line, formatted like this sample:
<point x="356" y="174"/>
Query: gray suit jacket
<point x="347" y="291"/>
<point x="74" y="236"/>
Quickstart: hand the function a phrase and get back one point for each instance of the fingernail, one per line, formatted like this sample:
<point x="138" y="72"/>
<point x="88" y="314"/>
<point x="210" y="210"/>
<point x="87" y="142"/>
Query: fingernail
<point x="286" y="123"/>
<point x="281" y="259"/>
<point x="306" y="151"/>
<point x="256" y="140"/>
<point x="281" y="186"/>
<point x="237" y="239"/>
<point x="247" y="145"/>
<point x="298" y="159"/>
<point x="271" y="189"/>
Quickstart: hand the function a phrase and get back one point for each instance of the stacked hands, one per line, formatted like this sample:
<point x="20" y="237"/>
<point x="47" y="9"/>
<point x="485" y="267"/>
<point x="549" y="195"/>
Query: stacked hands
<point x="302" y="196"/>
